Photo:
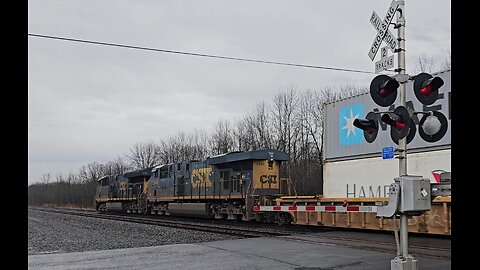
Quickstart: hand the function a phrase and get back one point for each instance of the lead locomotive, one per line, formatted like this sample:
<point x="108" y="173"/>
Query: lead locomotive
<point x="222" y="186"/>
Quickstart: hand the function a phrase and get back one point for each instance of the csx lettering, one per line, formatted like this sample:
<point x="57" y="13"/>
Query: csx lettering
<point x="268" y="179"/>
<point x="200" y="176"/>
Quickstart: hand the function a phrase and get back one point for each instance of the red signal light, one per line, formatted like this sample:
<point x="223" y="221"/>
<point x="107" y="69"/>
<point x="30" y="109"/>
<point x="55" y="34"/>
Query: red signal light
<point x="425" y="87"/>
<point x="399" y="125"/>
<point x="383" y="90"/>
<point x="370" y="130"/>
<point x="426" y="91"/>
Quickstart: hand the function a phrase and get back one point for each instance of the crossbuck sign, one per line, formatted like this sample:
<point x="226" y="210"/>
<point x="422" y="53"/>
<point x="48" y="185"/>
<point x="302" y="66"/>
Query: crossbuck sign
<point x="383" y="34"/>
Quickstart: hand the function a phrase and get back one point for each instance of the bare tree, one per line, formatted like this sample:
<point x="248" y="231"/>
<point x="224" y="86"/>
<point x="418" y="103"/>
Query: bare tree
<point x="46" y="178"/>
<point x="447" y="65"/>
<point x="242" y="138"/>
<point x="424" y="64"/>
<point x="91" y="172"/>
<point x="222" y="139"/>
<point x="199" y="145"/>
<point x="170" y="150"/>
<point x="258" y="127"/>
<point x="284" y="106"/>
<point x="309" y="120"/>
<point x="117" y="166"/>
<point x="182" y="147"/>
<point x="143" y="155"/>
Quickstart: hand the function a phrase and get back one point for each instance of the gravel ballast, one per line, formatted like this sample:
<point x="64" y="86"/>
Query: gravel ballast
<point x="58" y="233"/>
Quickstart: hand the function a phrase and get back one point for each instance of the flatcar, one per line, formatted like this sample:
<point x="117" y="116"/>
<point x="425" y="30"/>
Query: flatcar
<point x="225" y="186"/>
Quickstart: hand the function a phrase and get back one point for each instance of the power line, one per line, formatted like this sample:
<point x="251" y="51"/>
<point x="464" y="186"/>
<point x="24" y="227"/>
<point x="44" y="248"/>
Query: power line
<point x="196" y="54"/>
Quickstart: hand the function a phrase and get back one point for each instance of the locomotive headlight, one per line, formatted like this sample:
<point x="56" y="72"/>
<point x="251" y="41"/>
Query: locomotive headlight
<point x="270" y="163"/>
<point x="270" y="160"/>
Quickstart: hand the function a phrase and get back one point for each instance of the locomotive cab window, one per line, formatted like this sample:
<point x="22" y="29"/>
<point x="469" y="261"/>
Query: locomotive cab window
<point x="104" y="181"/>
<point x="236" y="182"/>
<point x="233" y="186"/>
<point x="163" y="173"/>
<point x="225" y="178"/>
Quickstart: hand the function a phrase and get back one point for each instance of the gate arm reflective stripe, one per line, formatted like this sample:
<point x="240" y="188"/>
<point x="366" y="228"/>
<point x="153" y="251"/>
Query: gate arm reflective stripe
<point x="316" y="208"/>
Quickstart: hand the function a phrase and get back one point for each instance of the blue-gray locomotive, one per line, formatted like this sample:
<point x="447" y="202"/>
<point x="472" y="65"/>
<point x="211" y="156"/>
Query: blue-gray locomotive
<point x="225" y="186"/>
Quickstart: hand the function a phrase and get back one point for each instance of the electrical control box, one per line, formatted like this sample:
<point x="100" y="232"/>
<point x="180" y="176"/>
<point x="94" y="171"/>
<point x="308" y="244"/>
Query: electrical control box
<point x="415" y="194"/>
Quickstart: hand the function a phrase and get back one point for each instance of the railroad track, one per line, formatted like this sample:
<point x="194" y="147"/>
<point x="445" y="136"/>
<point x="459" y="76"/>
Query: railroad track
<point x="426" y="251"/>
<point x="322" y="236"/>
<point x="196" y="226"/>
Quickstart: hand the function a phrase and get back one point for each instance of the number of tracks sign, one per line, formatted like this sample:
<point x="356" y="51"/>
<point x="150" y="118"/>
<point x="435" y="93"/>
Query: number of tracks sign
<point x="385" y="61"/>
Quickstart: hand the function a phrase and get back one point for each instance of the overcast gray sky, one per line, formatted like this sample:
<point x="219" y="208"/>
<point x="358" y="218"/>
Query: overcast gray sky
<point x="92" y="103"/>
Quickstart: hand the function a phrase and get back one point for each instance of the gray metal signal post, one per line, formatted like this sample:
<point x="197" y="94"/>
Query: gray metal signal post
<point x="400" y="201"/>
<point x="410" y="262"/>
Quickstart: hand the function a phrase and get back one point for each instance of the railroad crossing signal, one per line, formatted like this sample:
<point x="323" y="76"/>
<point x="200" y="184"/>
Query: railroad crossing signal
<point x="369" y="126"/>
<point x="433" y="125"/>
<point x="383" y="90"/>
<point x="399" y="122"/>
<point x="425" y="87"/>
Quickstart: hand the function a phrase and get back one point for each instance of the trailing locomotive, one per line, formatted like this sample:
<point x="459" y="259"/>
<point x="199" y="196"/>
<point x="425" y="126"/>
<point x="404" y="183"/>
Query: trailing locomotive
<point x="225" y="186"/>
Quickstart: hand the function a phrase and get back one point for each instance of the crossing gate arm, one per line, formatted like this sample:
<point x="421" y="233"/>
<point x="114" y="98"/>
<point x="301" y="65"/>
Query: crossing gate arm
<point x="316" y="208"/>
<point x="361" y="213"/>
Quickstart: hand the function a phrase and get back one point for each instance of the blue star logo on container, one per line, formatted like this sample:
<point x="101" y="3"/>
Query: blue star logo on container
<point x="349" y="134"/>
